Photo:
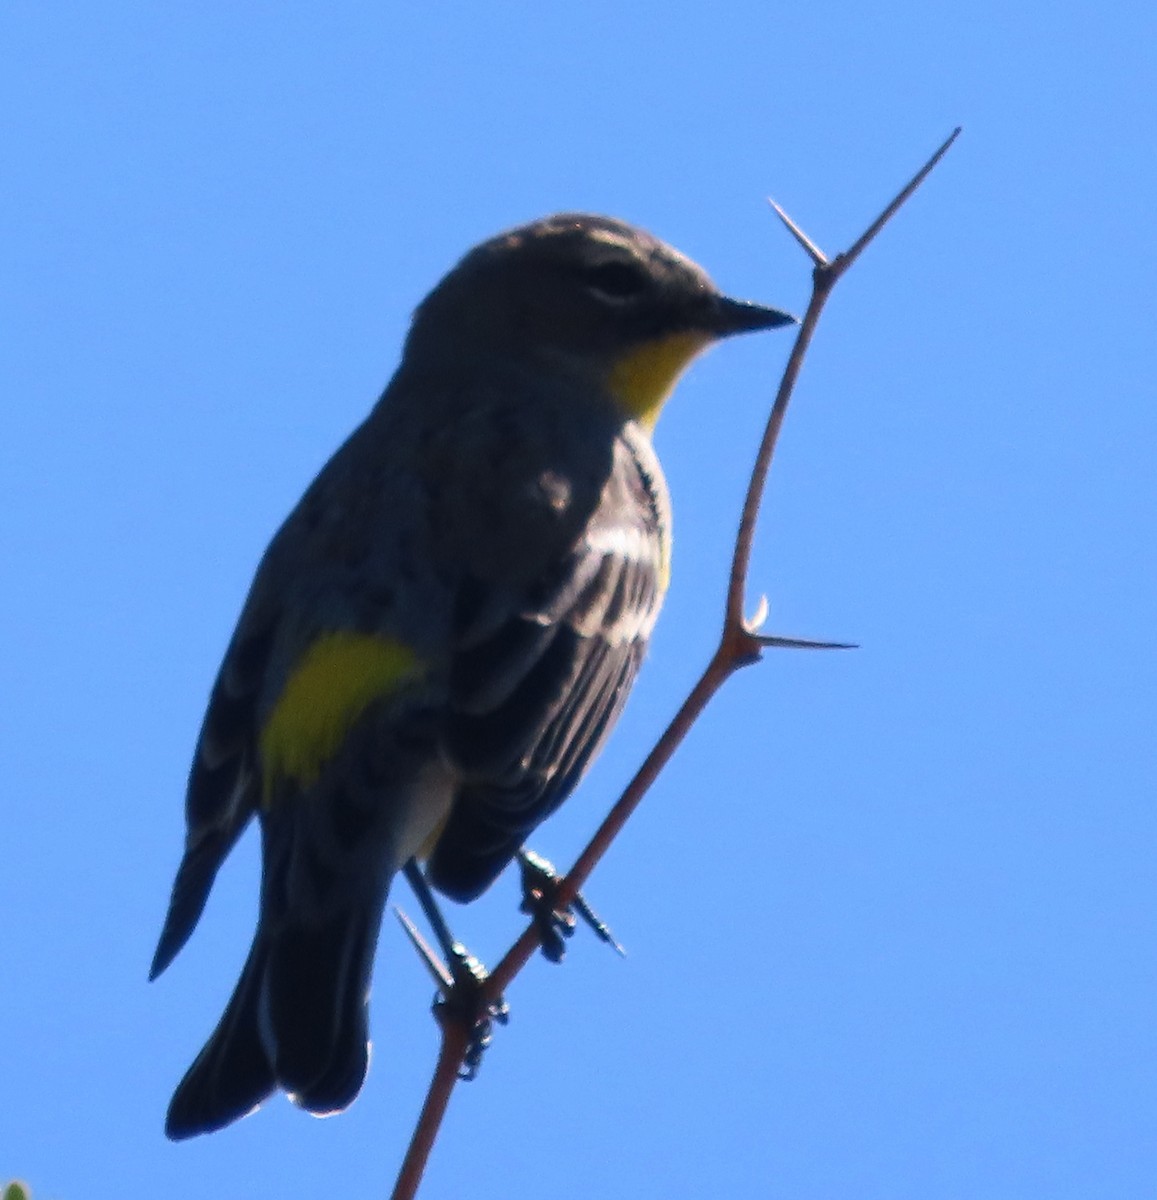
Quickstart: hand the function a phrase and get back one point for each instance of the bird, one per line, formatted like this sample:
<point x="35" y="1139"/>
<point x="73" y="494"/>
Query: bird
<point x="441" y="634"/>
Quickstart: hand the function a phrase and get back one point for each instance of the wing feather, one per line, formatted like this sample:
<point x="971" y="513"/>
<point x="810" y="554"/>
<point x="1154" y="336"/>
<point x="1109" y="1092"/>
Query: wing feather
<point x="533" y="696"/>
<point x="223" y="789"/>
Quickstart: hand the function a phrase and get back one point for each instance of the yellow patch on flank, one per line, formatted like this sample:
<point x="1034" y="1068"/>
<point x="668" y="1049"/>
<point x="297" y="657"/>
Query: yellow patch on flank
<point x="642" y="380"/>
<point x="339" y="676"/>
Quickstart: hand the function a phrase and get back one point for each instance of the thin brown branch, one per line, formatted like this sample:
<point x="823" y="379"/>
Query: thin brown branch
<point x="734" y="626"/>
<point x="824" y="278"/>
<point x="455" y="1037"/>
<point x="740" y="645"/>
<point x="869" y="234"/>
<point x="519" y="954"/>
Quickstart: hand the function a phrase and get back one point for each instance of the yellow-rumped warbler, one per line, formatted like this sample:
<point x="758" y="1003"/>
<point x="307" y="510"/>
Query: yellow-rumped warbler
<point x="442" y="633"/>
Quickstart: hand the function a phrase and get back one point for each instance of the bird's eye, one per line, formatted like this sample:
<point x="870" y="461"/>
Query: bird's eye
<point x="616" y="280"/>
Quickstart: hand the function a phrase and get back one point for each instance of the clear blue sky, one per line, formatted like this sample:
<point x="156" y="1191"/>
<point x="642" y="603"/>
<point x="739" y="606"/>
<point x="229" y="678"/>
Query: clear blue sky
<point x="890" y="914"/>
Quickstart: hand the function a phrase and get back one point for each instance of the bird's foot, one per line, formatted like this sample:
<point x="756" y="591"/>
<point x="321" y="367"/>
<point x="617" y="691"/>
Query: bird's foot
<point x="461" y="978"/>
<point x="465" y="1002"/>
<point x="540" y="882"/>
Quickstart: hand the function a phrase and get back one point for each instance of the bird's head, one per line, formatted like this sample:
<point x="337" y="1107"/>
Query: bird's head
<point x="587" y="294"/>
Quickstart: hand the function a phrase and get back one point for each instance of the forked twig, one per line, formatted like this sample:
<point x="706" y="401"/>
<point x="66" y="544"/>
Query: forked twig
<point x="740" y="645"/>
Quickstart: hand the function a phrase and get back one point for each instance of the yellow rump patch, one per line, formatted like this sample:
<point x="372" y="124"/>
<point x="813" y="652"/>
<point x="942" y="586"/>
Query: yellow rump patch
<point x="642" y="380"/>
<point x="337" y="679"/>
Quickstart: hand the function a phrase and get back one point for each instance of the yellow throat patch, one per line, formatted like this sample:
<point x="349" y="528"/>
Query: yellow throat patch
<point x="337" y="679"/>
<point x="642" y="380"/>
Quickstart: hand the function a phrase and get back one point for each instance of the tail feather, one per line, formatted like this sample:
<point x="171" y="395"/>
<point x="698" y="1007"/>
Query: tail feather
<point x="318" y="993"/>
<point x="195" y="877"/>
<point x="297" y="1020"/>
<point x="232" y="1075"/>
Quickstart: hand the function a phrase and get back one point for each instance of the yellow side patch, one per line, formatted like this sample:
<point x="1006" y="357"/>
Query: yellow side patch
<point x="337" y="679"/>
<point x="642" y="380"/>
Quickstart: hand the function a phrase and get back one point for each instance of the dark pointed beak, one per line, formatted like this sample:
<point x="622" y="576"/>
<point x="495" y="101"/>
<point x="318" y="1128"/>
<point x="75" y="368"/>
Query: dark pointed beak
<point x="742" y="316"/>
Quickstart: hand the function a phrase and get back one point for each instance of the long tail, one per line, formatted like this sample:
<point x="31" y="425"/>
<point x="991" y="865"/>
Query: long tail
<point x="297" y="1020"/>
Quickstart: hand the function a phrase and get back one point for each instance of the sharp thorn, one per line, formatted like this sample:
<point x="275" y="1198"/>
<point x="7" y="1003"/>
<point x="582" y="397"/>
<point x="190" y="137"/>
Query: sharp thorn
<point x="598" y="926"/>
<point x="761" y="611"/>
<point x="438" y="970"/>
<point x="810" y="248"/>
<point x="786" y="643"/>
